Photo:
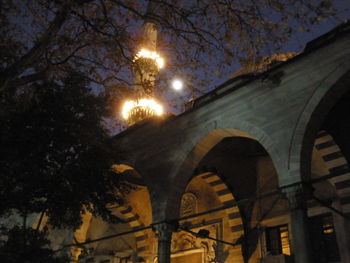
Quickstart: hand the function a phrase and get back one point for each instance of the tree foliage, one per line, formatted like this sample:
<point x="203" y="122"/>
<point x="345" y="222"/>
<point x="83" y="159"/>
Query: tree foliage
<point x="28" y="245"/>
<point x="46" y="39"/>
<point x="57" y="155"/>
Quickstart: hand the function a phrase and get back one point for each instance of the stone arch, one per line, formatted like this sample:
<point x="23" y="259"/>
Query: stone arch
<point x="126" y="212"/>
<point x="222" y="168"/>
<point x="135" y="222"/>
<point x="317" y="106"/>
<point x="226" y="198"/>
<point x="324" y="97"/>
<point x="336" y="165"/>
<point x="194" y="149"/>
<point x="129" y="173"/>
<point x="212" y="133"/>
<point x="230" y="221"/>
<point x="338" y="192"/>
<point x="128" y="215"/>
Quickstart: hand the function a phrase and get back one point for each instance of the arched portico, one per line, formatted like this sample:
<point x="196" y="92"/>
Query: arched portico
<point x="209" y="149"/>
<point x="334" y="162"/>
<point x="204" y="192"/>
<point x="281" y="109"/>
<point x="135" y="213"/>
<point x="325" y="97"/>
<point x="188" y="155"/>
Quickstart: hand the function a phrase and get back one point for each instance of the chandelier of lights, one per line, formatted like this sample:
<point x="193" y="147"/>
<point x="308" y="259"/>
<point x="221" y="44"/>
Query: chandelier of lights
<point x="145" y="66"/>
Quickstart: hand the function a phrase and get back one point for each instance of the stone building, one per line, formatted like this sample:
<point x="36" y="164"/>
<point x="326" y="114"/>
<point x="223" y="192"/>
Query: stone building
<point x="256" y="171"/>
<point x="259" y="165"/>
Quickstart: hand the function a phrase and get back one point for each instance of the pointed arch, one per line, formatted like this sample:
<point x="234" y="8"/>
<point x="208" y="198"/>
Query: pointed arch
<point x="336" y="165"/>
<point x="309" y="124"/>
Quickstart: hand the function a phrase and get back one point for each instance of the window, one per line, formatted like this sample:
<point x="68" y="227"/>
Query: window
<point x="188" y="204"/>
<point x="277" y="240"/>
<point x="323" y="239"/>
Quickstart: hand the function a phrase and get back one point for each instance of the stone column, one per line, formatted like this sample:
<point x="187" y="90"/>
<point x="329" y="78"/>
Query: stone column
<point x="342" y="230"/>
<point x="300" y="242"/>
<point x="75" y="253"/>
<point x="164" y="232"/>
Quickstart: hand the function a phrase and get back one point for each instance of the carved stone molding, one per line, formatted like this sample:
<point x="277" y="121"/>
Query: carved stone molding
<point x="188" y="204"/>
<point x="297" y="196"/>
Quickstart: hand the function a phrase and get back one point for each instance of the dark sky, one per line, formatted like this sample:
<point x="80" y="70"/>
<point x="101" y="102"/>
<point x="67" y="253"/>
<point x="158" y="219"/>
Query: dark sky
<point x="296" y="43"/>
<point x="174" y="101"/>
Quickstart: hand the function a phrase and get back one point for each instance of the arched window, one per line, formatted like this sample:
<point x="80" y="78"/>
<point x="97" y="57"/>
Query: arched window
<point x="188" y="204"/>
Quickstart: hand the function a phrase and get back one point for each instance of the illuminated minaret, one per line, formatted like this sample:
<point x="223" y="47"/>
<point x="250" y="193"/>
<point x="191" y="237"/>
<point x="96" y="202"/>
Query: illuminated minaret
<point x="146" y="65"/>
<point x="147" y="62"/>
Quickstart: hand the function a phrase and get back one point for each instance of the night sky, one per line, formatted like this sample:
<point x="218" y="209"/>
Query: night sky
<point x="209" y="77"/>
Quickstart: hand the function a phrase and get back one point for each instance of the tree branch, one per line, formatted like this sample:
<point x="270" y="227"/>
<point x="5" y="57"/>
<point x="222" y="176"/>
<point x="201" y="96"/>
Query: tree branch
<point x="36" y="51"/>
<point x="27" y="79"/>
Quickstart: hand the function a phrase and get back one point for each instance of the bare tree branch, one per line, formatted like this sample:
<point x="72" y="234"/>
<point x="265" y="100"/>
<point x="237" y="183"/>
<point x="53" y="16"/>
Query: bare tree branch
<point x="35" y="52"/>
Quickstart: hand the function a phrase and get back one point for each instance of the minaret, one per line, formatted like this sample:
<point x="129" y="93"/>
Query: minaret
<point x="146" y="65"/>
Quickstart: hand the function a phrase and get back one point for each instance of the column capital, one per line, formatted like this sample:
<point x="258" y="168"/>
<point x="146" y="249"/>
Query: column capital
<point x="164" y="230"/>
<point x="297" y="196"/>
<point x="75" y="253"/>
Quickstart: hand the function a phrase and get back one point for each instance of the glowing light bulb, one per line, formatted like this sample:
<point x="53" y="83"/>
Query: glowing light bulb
<point x="149" y="105"/>
<point x="144" y="53"/>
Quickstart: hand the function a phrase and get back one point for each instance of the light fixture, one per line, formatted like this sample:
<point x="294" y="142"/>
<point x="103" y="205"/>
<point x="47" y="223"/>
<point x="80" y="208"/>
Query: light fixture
<point x="145" y="53"/>
<point x="140" y="109"/>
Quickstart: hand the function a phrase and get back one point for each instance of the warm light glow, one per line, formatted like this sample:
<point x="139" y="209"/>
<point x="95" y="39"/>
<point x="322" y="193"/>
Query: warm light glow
<point x="147" y="104"/>
<point x="144" y="53"/>
<point x="177" y="84"/>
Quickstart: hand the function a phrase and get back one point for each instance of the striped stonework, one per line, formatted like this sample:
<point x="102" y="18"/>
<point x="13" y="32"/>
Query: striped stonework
<point x="134" y="222"/>
<point x="336" y="165"/>
<point x="234" y="217"/>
